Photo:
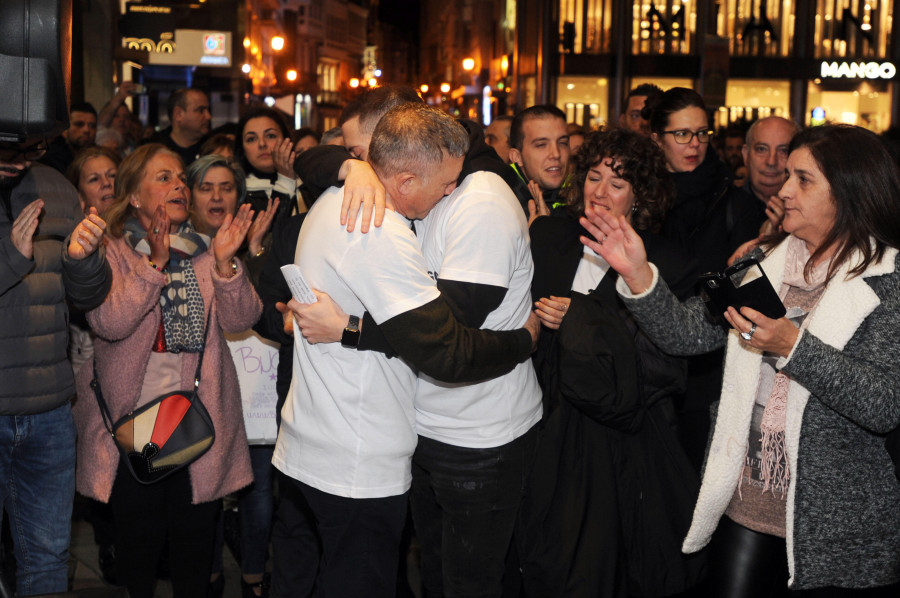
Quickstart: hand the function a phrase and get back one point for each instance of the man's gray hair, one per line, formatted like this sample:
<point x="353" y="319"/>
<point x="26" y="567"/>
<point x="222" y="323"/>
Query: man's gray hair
<point x="413" y="138"/>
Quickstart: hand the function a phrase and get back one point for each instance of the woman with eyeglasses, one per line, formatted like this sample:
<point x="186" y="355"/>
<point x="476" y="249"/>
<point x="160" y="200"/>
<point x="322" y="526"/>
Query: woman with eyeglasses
<point x="710" y="219"/>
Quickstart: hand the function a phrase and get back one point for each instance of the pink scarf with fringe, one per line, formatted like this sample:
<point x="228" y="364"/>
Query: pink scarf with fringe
<point x="774" y="469"/>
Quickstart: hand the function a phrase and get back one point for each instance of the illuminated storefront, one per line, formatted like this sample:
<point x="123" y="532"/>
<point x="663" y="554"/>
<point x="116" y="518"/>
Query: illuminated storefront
<point x="748" y="58"/>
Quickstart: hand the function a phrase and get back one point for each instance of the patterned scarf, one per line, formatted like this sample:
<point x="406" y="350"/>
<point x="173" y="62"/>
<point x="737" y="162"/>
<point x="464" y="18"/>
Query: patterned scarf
<point x="774" y="470"/>
<point x="182" y="305"/>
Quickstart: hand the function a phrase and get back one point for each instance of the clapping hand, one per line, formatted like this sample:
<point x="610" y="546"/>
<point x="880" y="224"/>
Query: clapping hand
<point x="24" y="227"/>
<point x="87" y="236"/>
<point x="284" y="156"/>
<point x="261" y="226"/>
<point x="158" y="236"/>
<point x="230" y="237"/>
<point x="536" y="205"/>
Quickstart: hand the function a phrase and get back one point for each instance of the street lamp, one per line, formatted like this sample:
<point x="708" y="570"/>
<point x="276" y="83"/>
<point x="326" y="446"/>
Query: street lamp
<point x="423" y="88"/>
<point x="291" y="75"/>
<point x="468" y="64"/>
<point x="445" y="88"/>
<point x="354" y="82"/>
<point x="277" y="43"/>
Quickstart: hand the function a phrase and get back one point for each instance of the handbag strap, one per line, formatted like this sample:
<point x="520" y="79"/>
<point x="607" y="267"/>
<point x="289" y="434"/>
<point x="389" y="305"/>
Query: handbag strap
<point x="104" y="408"/>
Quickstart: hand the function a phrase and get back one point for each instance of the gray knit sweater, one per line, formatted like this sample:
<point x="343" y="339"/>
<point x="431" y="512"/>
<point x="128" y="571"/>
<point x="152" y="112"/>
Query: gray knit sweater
<point x="843" y="504"/>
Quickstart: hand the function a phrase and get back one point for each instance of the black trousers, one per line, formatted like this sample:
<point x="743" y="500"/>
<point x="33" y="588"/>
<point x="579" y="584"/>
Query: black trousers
<point x="748" y="564"/>
<point x="145" y="517"/>
<point x="353" y="541"/>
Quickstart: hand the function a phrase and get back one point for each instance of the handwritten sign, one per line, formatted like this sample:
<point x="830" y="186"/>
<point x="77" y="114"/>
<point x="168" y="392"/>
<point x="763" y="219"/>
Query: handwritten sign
<point x="256" y="361"/>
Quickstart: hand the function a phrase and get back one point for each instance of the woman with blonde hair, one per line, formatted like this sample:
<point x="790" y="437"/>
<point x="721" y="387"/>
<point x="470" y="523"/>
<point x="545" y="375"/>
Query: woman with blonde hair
<point x="174" y="295"/>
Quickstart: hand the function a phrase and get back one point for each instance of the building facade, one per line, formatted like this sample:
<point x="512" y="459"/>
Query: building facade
<point x="812" y="61"/>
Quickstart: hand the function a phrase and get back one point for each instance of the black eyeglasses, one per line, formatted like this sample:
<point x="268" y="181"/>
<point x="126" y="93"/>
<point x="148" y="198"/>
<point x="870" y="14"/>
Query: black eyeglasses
<point x="10" y="153"/>
<point x="684" y="136"/>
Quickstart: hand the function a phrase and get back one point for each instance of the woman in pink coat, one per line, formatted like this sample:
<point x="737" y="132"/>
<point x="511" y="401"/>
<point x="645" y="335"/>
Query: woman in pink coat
<point x="168" y="283"/>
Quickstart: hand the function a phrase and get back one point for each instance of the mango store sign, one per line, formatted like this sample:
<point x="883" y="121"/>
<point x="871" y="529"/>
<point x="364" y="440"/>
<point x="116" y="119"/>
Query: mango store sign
<point x="858" y="70"/>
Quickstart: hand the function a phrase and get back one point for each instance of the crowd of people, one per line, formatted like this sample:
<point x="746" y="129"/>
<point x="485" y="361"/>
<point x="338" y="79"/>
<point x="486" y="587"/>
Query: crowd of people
<point x="510" y="355"/>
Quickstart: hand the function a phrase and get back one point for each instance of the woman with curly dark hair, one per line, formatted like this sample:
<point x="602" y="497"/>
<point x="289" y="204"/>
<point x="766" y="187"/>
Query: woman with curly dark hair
<point x="611" y="492"/>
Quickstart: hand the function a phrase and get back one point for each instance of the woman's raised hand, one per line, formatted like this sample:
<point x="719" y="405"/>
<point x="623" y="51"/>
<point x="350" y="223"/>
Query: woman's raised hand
<point x="615" y="241"/>
<point x="230" y="236"/>
<point x="284" y="156"/>
<point x="158" y="236"/>
<point x="261" y="226"/>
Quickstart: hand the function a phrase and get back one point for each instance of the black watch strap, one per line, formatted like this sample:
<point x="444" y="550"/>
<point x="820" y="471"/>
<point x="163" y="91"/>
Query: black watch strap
<point x="350" y="337"/>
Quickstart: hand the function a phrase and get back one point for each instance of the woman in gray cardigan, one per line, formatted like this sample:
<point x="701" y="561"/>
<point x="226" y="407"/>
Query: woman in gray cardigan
<point x="796" y="464"/>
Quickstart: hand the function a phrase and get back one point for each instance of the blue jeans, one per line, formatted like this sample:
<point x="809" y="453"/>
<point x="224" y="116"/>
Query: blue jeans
<point x="255" y="509"/>
<point x="464" y="504"/>
<point x="37" y="488"/>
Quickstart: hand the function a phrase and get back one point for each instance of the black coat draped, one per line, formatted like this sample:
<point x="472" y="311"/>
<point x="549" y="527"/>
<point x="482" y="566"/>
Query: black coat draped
<point x="611" y="493"/>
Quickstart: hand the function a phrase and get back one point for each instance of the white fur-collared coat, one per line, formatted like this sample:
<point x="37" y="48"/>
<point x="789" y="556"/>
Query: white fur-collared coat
<point x="843" y="502"/>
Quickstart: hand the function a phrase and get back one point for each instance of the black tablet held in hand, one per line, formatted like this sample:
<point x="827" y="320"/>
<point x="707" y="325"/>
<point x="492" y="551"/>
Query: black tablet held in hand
<point x="742" y="285"/>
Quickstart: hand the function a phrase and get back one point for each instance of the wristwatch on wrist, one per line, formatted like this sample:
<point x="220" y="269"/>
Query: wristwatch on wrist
<point x="350" y="338"/>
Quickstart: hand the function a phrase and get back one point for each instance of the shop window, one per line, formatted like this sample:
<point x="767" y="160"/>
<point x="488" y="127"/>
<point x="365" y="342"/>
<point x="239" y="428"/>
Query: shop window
<point x="757" y="27"/>
<point x="868" y="105"/>
<point x="852" y="28"/>
<point x="585" y="26"/>
<point x="663" y="26"/>
<point x="750" y="99"/>
<point x="583" y="99"/>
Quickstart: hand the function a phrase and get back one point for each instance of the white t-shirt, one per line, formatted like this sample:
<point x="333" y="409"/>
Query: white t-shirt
<point x="479" y="234"/>
<point x="348" y="427"/>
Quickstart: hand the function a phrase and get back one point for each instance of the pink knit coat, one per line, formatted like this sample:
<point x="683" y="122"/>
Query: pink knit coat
<point x="126" y="325"/>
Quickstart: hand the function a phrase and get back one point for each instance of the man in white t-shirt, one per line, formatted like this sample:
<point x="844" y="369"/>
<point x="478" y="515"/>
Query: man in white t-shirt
<point x="348" y="428"/>
<point x="476" y="441"/>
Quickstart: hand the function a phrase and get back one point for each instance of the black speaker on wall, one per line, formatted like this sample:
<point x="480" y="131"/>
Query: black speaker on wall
<point x="35" y="67"/>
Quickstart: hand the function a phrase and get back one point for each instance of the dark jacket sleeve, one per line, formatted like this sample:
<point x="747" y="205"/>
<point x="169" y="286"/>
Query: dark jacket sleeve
<point x="272" y="288"/>
<point x="87" y="281"/>
<point x="13" y="265"/>
<point x="318" y="167"/>
<point x="435" y="343"/>
<point x="470" y="303"/>
<point x="746" y="218"/>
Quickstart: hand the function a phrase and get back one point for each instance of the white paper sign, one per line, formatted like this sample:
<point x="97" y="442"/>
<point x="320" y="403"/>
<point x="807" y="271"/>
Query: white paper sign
<point x="256" y="361"/>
